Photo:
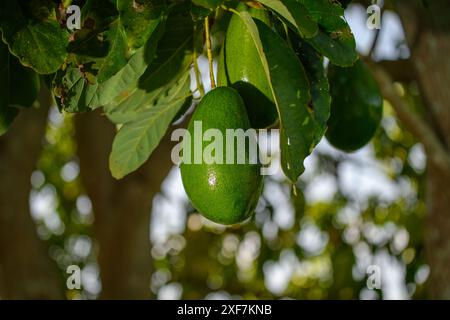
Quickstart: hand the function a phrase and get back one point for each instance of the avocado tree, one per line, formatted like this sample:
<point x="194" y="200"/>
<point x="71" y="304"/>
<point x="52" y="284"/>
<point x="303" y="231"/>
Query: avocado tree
<point x="130" y="71"/>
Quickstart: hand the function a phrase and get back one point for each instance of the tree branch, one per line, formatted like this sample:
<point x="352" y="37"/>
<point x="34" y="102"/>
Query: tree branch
<point x="399" y="70"/>
<point x="424" y="134"/>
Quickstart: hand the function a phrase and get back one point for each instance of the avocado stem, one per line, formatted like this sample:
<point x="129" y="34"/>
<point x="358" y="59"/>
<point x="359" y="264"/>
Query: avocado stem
<point x="209" y="53"/>
<point x="294" y="190"/>
<point x="196" y="69"/>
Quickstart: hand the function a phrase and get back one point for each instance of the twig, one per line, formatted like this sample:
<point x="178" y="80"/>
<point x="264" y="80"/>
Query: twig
<point x="288" y="39"/>
<point x="209" y="53"/>
<point x="374" y="43"/>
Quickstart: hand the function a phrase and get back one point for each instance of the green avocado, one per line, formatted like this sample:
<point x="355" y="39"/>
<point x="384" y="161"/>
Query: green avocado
<point x="356" y="107"/>
<point x="224" y="193"/>
<point x="240" y="67"/>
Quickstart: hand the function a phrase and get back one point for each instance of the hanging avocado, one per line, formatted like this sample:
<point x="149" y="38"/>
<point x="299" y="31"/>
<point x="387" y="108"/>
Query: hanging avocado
<point x="356" y="107"/>
<point x="224" y="193"/>
<point x="240" y="66"/>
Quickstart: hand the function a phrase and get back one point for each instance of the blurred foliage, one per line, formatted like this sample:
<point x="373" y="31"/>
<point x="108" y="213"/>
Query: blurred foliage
<point x="66" y="218"/>
<point x="209" y="261"/>
<point x="206" y="260"/>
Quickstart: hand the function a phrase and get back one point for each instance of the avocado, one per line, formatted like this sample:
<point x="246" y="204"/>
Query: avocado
<point x="356" y="106"/>
<point x="222" y="192"/>
<point x="244" y="70"/>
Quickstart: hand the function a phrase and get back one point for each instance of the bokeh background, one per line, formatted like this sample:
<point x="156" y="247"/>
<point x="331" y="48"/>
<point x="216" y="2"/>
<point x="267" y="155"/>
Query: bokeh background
<point x="140" y="238"/>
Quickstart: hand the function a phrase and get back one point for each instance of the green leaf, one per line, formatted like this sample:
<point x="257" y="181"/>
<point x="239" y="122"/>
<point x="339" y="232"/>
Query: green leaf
<point x="93" y="41"/>
<point x="290" y="89"/>
<point x="112" y="33"/>
<point x="38" y="41"/>
<point x="174" y="52"/>
<point x="320" y="88"/>
<point x="117" y="56"/>
<point x="334" y="39"/>
<point x="100" y="12"/>
<point x="139" y="19"/>
<point x="173" y="57"/>
<point x="19" y="87"/>
<point x="295" y="14"/>
<point x="339" y="47"/>
<point x="329" y="15"/>
<point x="136" y="140"/>
<point x="74" y="93"/>
<point x="132" y="107"/>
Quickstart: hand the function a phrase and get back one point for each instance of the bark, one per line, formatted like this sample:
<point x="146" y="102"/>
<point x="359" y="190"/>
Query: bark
<point x="26" y="271"/>
<point x="121" y="207"/>
<point x="428" y="32"/>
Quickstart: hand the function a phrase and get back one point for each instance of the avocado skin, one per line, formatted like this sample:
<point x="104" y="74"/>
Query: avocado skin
<point x="224" y="193"/>
<point x="244" y="70"/>
<point x="356" y="107"/>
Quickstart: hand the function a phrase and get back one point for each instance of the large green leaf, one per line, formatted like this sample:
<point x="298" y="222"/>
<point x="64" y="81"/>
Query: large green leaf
<point x="93" y="42"/>
<point x="112" y="33"/>
<point x="74" y="93"/>
<point x="19" y="87"/>
<point x="320" y="88"/>
<point x="117" y="56"/>
<point x="173" y="57"/>
<point x="295" y="14"/>
<point x="35" y="38"/>
<point x="334" y="39"/>
<point x="329" y="15"/>
<point x="339" y="47"/>
<point x="174" y="51"/>
<point x="290" y="89"/>
<point x="131" y="108"/>
<point x="139" y="19"/>
<point x="136" y="140"/>
<point x="101" y="12"/>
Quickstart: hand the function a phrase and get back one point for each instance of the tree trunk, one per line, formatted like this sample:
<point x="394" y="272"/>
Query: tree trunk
<point x="26" y="271"/>
<point x="121" y="208"/>
<point x="428" y="32"/>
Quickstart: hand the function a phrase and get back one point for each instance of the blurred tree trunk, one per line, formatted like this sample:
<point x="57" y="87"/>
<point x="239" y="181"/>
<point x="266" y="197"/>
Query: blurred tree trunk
<point x="121" y="208"/>
<point x="428" y="32"/>
<point x="26" y="271"/>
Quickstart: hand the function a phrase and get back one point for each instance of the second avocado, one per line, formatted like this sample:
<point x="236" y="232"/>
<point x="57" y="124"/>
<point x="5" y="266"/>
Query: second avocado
<point x="356" y="107"/>
<point x="240" y="67"/>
